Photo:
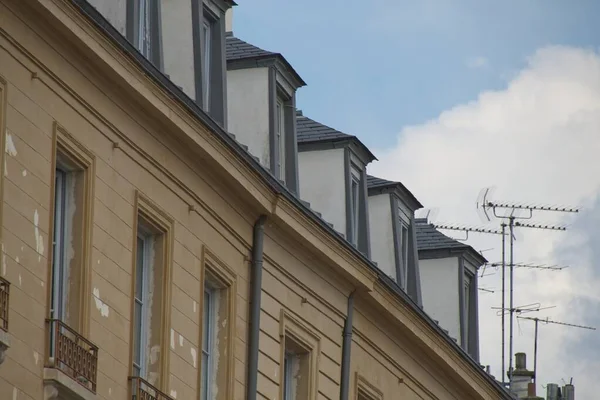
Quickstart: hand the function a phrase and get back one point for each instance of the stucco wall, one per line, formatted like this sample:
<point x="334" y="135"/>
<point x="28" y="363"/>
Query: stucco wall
<point x="322" y="183"/>
<point x="177" y="43"/>
<point x="248" y="110"/>
<point x="115" y="11"/>
<point x="439" y="289"/>
<point x="382" y="235"/>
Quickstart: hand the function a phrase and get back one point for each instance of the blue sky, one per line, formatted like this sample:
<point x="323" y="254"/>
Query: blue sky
<point x="371" y="71"/>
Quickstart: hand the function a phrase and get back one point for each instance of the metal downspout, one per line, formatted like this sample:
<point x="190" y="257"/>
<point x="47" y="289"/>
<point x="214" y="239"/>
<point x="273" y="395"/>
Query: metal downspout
<point x="255" y="296"/>
<point x="346" y="347"/>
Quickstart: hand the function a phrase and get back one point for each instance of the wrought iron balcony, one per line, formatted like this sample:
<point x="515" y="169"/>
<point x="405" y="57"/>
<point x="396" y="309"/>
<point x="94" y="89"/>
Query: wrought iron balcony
<point x="4" y="295"/>
<point x="142" y="390"/>
<point x="73" y="354"/>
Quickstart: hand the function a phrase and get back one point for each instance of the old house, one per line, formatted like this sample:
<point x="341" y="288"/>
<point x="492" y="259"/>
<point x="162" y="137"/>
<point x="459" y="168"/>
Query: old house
<point x="149" y="251"/>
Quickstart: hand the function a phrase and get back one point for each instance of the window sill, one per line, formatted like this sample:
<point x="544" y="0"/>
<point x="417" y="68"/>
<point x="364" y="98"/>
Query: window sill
<point x="58" y="385"/>
<point x="4" y="344"/>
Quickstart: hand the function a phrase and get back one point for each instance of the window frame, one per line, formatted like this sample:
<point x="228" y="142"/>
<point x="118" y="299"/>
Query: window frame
<point x="293" y="329"/>
<point x="210" y="64"/>
<point x="355" y="185"/>
<point x="72" y="157"/>
<point x="152" y="221"/>
<point x="153" y="52"/>
<point x="219" y="277"/>
<point x="365" y="390"/>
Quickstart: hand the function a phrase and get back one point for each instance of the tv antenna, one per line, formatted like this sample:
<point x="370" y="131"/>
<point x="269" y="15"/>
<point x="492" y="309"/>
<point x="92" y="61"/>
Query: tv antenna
<point x="529" y="266"/>
<point x="489" y="208"/>
<point x="466" y="229"/>
<point x="535" y="342"/>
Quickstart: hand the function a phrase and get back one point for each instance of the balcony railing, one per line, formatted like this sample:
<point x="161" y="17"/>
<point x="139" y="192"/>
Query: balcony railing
<point x="4" y="295"/>
<point x="142" y="390"/>
<point x="72" y="354"/>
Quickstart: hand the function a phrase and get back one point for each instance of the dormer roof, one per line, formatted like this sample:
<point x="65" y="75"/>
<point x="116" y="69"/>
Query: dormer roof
<point x="379" y="185"/>
<point x="429" y="239"/>
<point x="241" y="54"/>
<point x="311" y="132"/>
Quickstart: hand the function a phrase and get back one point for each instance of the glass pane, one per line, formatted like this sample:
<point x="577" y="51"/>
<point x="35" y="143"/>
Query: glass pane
<point x="205" y="373"/>
<point x="137" y="333"/>
<point x="139" y="271"/>
<point x="58" y="264"/>
<point x="206" y="319"/>
<point x="206" y="52"/>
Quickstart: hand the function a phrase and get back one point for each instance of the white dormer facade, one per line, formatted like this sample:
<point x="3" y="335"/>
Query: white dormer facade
<point x="393" y="238"/>
<point x="449" y="285"/>
<point x="185" y="40"/>
<point x="332" y="171"/>
<point x="261" y="102"/>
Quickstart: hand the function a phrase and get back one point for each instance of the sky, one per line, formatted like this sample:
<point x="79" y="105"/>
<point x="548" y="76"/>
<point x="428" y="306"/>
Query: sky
<point x="454" y="96"/>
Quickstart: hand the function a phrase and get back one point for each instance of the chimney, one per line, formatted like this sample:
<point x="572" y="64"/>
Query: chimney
<point x="521" y="377"/>
<point x="229" y="20"/>
<point x="552" y="391"/>
<point x="569" y="392"/>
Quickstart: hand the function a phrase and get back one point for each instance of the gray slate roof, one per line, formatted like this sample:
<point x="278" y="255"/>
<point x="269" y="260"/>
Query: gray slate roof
<point x="237" y="49"/>
<point x="311" y="131"/>
<point x="374" y="182"/>
<point x="429" y="238"/>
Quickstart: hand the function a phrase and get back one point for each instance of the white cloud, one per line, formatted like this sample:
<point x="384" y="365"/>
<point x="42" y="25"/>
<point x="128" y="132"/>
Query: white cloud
<point x="477" y="62"/>
<point x="538" y="140"/>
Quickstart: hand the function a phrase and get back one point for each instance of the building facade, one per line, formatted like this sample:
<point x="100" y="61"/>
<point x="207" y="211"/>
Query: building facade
<point x="146" y="253"/>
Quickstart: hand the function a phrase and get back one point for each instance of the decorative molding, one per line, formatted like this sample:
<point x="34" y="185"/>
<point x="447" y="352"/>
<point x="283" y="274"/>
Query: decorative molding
<point x="365" y="389"/>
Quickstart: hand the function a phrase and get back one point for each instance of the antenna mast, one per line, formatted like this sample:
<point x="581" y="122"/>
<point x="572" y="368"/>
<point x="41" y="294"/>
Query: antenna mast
<point x="491" y="207"/>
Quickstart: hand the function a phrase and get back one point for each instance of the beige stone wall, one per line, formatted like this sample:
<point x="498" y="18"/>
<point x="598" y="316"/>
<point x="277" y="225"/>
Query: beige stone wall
<point x="48" y="81"/>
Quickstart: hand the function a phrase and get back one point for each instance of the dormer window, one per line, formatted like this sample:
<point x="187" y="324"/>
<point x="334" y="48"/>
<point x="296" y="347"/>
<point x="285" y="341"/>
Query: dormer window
<point x="403" y="246"/>
<point x="208" y="19"/>
<point x="143" y="28"/>
<point x="280" y="137"/>
<point x="354" y="205"/>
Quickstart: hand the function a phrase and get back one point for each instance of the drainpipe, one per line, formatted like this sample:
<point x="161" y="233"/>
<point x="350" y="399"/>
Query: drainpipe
<point x="255" y="295"/>
<point x="346" y="347"/>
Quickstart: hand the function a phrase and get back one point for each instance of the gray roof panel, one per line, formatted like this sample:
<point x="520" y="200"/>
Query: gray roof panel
<point x="311" y="131"/>
<point x="429" y="238"/>
<point x="237" y="49"/>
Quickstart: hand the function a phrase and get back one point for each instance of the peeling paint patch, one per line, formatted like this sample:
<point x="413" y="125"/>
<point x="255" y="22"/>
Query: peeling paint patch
<point x="103" y="308"/>
<point x="20" y="280"/>
<point x="195" y="305"/>
<point x="110" y="391"/>
<point x="36" y="357"/>
<point x="42" y="283"/>
<point x="17" y="259"/>
<point x="5" y="168"/>
<point x="154" y="354"/>
<point x="173" y="394"/>
<point x="11" y="150"/>
<point x="15" y="393"/>
<point x="24" y="173"/>
<point x="39" y="240"/>
<point x="172" y="339"/>
<point x="180" y="340"/>
<point x="194" y="356"/>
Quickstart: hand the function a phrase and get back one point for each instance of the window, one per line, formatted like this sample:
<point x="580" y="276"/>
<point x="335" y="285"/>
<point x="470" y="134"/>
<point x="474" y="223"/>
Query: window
<point x="206" y="55"/>
<point x="218" y="329"/>
<point x="467" y="299"/>
<point x="404" y="249"/>
<point x="208" y="338"/>
<point x="151" y="293"/>
<point x="143" y="28"/>
<point x="280" y="138"/>
<point x="354" y="205"/>
<point x="300" y="349"/>
<point x="71" y="221"/>
<point x="208" y="24"/>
